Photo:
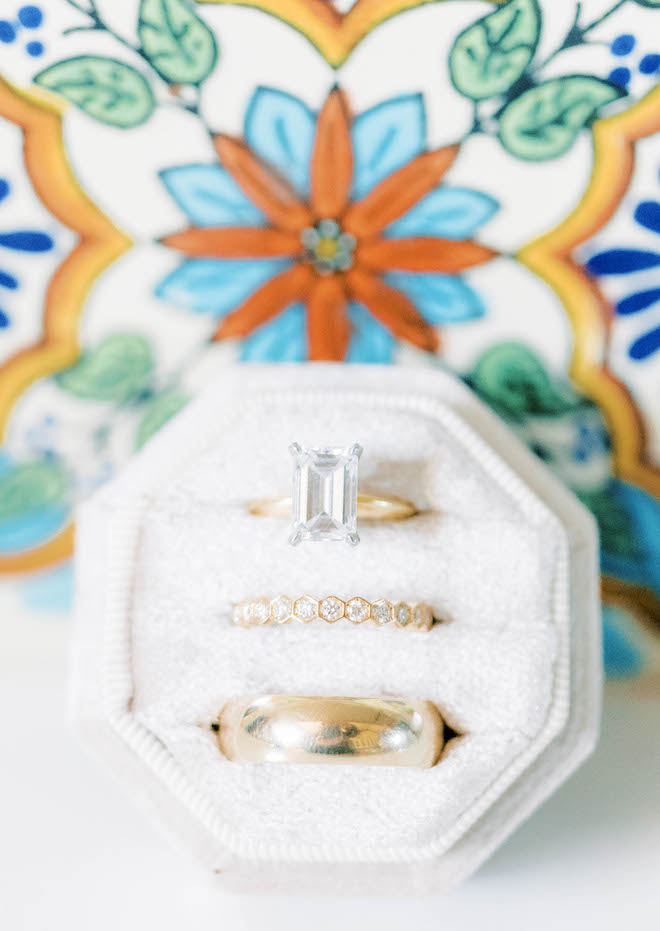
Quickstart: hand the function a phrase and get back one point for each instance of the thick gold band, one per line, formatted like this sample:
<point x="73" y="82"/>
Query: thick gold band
<point x="312" y="729"/>
<point x="369" y="507"/>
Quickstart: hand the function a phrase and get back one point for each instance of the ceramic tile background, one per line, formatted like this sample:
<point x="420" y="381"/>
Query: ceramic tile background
<point x="490" y="174"/>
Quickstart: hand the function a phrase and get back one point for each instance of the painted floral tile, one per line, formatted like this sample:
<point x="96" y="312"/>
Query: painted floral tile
<point x="469" y="184"/>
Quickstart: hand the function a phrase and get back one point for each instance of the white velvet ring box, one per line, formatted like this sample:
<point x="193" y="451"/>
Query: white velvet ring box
<point x="500" y="550"/>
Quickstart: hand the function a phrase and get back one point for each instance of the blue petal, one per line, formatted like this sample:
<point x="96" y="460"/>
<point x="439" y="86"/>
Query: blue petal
<point x="370" y="340"/>
<point x="450" y="212"/>
<point x="210" y="196"/>
<point x="640" y="300"/>
<point x="280" y="128"/>
<point x="645" y="346"/>
<point x="216" y="286"/>
<point x="439" y="298"/>
<point x="26" y="241"/>
<point x="280" y="340"/>
<point x="647" y="214"/>
<point x="8" y="281"/>
<point x="622" y="261"/>
<point x="385" y="138"/>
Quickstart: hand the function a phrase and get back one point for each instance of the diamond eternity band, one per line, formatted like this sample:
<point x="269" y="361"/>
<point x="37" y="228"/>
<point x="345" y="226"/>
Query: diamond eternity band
<point x="283" y="610"/>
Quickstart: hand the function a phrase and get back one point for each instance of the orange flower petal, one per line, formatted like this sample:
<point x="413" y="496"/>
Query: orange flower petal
<point x="398" y="192"/>
<point x="423" y="254"/>
<point x="266" y="302"/>
<point x="328" y="329"/>
<point x="268" y="190"/>
<point x="233" y="242"/>
<point x="332" y="158"/>
<point x="392" y="308"/>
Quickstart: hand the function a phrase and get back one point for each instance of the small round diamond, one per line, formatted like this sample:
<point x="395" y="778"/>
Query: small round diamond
<point x="402" y="614"/>
<point x="305" y="609"/>
<point x="260" y="610"/>
<point x="381" y="612"/>
<point x="281" y="609"/>
<point x="358" y="610"/>
<point x="331" y="609"/>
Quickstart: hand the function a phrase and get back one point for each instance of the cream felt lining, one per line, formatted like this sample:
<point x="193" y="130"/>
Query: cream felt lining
<point x="486" y="553"/>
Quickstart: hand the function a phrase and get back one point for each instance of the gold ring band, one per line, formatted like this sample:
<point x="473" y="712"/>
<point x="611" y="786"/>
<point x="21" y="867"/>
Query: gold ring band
<point x="308" y="729"/>
<point x="258" y="612"/>
<point x="369" y="507"/>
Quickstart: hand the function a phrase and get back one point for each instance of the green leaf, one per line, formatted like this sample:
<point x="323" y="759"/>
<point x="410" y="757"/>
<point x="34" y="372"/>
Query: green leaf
<point x="179" y="45"/>
<point x="513" y="380"/>
<point x="158" y="411"/>
<point x="107" y="90"/>
<point x="117" y="370"/>
<point x="31" y="487"/>
<point x="544" y="121"/>
<point x="491" y="54"/>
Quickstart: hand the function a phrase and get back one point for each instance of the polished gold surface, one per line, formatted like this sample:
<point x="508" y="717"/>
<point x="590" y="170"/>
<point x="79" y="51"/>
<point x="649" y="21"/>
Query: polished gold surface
<point x="369" y="507"/>
<point x="257" y="612"/>
<point x="318" y="729"/>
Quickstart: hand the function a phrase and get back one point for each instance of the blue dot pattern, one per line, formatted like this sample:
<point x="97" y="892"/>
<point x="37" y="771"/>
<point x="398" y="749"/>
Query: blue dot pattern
<point x="623" y="44"/>
<point x="7" y="31"/>
<point x="650" y="63"/>
<point x="30" y="17"/>
<point x="620" y="76"/>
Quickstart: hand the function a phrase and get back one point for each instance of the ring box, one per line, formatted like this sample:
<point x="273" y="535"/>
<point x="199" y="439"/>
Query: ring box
<point x="504" y="554"/>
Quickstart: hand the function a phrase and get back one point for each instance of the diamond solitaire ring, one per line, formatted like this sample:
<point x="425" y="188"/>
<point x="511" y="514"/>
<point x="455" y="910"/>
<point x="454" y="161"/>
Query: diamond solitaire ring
<point x="284" y="610"/>
<point x="310" y="729"/>
<point x="325" y="504"/>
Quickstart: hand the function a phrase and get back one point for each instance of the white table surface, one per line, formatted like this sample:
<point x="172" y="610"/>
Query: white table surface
<point x="75" y="855"/>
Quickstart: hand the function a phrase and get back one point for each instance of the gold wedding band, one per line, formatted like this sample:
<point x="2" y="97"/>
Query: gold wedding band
<point x="312" y="729"/>
<point x="369" y="507"/>
<point x="258" y="612"/>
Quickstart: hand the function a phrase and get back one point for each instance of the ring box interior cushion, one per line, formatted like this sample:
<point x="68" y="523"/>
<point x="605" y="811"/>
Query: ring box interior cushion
<point x="498" y="549"/>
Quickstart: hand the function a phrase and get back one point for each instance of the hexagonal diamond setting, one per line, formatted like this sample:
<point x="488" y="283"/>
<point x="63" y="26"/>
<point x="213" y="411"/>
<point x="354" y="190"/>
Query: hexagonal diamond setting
<point x="281" y="609"/>
<point x="260" y="611"/>
<point x="305" y="609"/>
<point x="358" y="610"/>
<point x="381" y="612"/>
<point x="331" y="609"/>
<point x="402" y="614"/>
<point x="325" y="488"/>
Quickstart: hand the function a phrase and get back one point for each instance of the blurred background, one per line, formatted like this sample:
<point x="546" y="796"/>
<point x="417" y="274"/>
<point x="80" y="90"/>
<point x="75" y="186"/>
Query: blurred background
<point x="185" y="186"/>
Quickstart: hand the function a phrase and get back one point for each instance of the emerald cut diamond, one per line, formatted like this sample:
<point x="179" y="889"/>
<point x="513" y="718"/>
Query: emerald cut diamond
<point x="325" y="491"/>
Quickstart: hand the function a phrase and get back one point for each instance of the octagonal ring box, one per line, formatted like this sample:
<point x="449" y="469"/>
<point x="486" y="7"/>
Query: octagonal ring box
<point x="504" y="555"/>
